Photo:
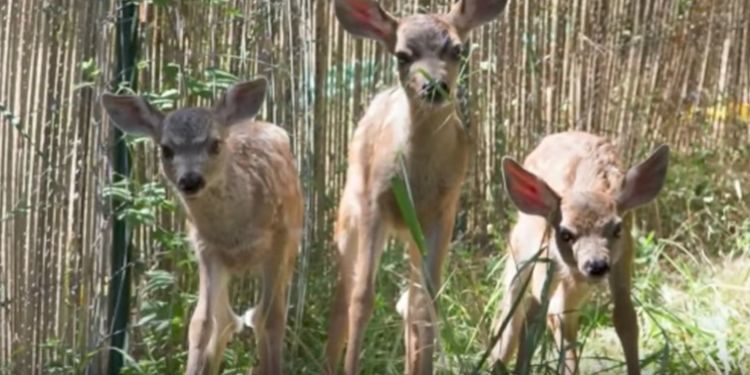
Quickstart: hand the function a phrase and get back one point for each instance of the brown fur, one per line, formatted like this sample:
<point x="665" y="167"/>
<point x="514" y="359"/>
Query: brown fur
<point x="406" y="121"/>
<point x="585" y="175"/>
<point x="247" y="217"/>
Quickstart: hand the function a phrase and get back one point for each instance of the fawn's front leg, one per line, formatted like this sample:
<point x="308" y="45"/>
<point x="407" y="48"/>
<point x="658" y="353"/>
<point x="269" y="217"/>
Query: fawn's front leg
<point x="514" y="309"/>
<point x="269" y="320"/>
<point x="420" y="324"/>
<point x="213" y="323"/>
<point x="371" y="240"/>
<point x="564" y="327"/>
<point x="338" y="326"/>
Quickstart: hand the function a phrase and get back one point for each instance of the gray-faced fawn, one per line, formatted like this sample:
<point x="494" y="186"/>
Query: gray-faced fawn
<point x="416" y="119"/>
<point x="237" y="180"/>
<point x="573" y="198"/>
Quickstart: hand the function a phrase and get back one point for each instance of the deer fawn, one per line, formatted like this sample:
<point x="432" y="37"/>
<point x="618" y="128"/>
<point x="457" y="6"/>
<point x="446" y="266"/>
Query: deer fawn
<point x="417" y="120"/>
<point x="573" y="185"/>
<point x="237" y="180"/>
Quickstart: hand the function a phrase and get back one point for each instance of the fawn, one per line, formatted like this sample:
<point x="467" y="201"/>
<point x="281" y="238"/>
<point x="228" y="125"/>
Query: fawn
<point x="418" y="121"/>
<point x="573" y="197"/>
<point x="237" y="180"/>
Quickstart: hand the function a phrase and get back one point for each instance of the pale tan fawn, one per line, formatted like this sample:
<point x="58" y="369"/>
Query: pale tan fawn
<point x="574" y="199"/>
<point x="237" y="180"/>
<point x="417" y="120"/>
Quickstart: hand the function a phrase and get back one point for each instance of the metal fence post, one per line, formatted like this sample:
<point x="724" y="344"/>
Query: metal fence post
<point x="119" y="287"/>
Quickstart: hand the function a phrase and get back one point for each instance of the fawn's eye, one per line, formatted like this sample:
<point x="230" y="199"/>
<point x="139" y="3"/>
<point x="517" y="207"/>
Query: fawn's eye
<point x="566" y="235"/>
<point x="617" y="230"/>
<point x="403" y="58"/>
<point x="167" y="152"/>
<point x="215" y="147"/>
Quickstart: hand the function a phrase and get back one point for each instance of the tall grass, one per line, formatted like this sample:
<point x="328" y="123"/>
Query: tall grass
<point x="690" y="284"/>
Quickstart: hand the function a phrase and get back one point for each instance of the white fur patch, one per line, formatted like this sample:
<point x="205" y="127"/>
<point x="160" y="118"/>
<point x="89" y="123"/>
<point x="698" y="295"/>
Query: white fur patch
<point x="239" y="325"/>
<point x="248" y="318"/>
<point x="403" y="304"/>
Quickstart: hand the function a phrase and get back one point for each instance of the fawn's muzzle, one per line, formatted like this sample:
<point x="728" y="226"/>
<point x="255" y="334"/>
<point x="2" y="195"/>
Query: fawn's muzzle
<point x="435" y="91"/>
<point x="191" y="183"/>
<point x="596" y="268"/>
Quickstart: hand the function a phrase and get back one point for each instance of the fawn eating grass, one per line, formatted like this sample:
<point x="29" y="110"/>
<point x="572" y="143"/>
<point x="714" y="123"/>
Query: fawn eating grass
<point x="237" y="180"/>
<point x="573" y="199"/>
<point x="416" y="120"/>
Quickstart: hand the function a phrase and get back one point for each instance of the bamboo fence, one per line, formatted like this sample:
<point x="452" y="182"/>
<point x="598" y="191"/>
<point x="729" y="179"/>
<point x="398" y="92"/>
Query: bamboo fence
<point x="643" y="72"/>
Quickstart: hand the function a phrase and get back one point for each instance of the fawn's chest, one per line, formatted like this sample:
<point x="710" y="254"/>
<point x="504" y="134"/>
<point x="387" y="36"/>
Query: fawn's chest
<point x="241" y="235"/>
<point x="434" y="172"/>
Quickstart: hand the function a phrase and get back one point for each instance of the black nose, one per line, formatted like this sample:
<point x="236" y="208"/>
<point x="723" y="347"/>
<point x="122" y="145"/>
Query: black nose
<point x="435" y="91"/>
<point x="596" y="267"/>
<point x="190" y="183"/>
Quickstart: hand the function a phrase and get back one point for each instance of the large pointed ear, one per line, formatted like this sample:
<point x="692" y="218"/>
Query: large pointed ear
<point x="644" y="181"/>
<point x="367" y="19"/>
<point x="527" y="191"/>
<point x="468" y="14"/>
<point x="241" y="102"/>
<point x="133" y="114"/>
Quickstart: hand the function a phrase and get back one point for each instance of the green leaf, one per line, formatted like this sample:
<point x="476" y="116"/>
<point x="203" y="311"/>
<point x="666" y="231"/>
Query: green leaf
<point x="406" y="205"/>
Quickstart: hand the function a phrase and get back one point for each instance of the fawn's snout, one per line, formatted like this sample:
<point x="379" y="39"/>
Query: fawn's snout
<point x="596" y="267"/>
<point x="429" y="79"/>
<point x="435" y="91"/>
<point x="593" y="254"/>
<point x="191" y="183"/>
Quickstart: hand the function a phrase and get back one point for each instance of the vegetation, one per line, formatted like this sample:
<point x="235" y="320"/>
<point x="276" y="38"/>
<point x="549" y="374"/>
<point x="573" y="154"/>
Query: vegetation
<point x="690" y="286"/>
<point x="672" y="72"/>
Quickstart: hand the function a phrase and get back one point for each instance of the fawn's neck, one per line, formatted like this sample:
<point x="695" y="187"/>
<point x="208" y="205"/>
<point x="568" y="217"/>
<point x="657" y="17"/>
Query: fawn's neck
<point x="434" y="127"/>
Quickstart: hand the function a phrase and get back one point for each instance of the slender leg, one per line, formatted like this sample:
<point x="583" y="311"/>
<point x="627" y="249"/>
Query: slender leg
<point x="564" y="327"/>
<point x="522" y="358"/>
<point x="515" y="294"/>
<point x="624" y="316"/>
<point x="338" y="327"/>
<point x="371" y="240"/>
<point x="417" y="310"/>
<point x="421" y="318"/>
<point x="213" y="323"/>
<point x="270" y="320"/>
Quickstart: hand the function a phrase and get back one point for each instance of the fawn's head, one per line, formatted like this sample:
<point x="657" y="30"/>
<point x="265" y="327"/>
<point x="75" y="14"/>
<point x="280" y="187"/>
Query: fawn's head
<point x="587" y="225"/>
<point x="428" y="47"/>
<point x="192" y="140"/>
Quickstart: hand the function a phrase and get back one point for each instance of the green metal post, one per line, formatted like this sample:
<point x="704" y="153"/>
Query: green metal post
<point x="119" y="287"/>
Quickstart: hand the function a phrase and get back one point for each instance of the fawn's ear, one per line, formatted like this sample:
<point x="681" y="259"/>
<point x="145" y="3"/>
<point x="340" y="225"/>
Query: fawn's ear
<point x="468" y="14"/>
<point x="644" y="181"/>
<point x="367" y="19"/>
<point x="133" y="114"/>
<point x="242" y="101"/>
<point x="527" y="191"/>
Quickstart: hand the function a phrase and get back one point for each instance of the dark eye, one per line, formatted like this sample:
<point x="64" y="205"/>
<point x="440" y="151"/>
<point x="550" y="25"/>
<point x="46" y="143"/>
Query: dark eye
<point x="215" y="147"/>
<point x="567" y="236"/>
<point x="617" y="230"/>
<point x="403" y="58"/>
<point x="167" y="152"/>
